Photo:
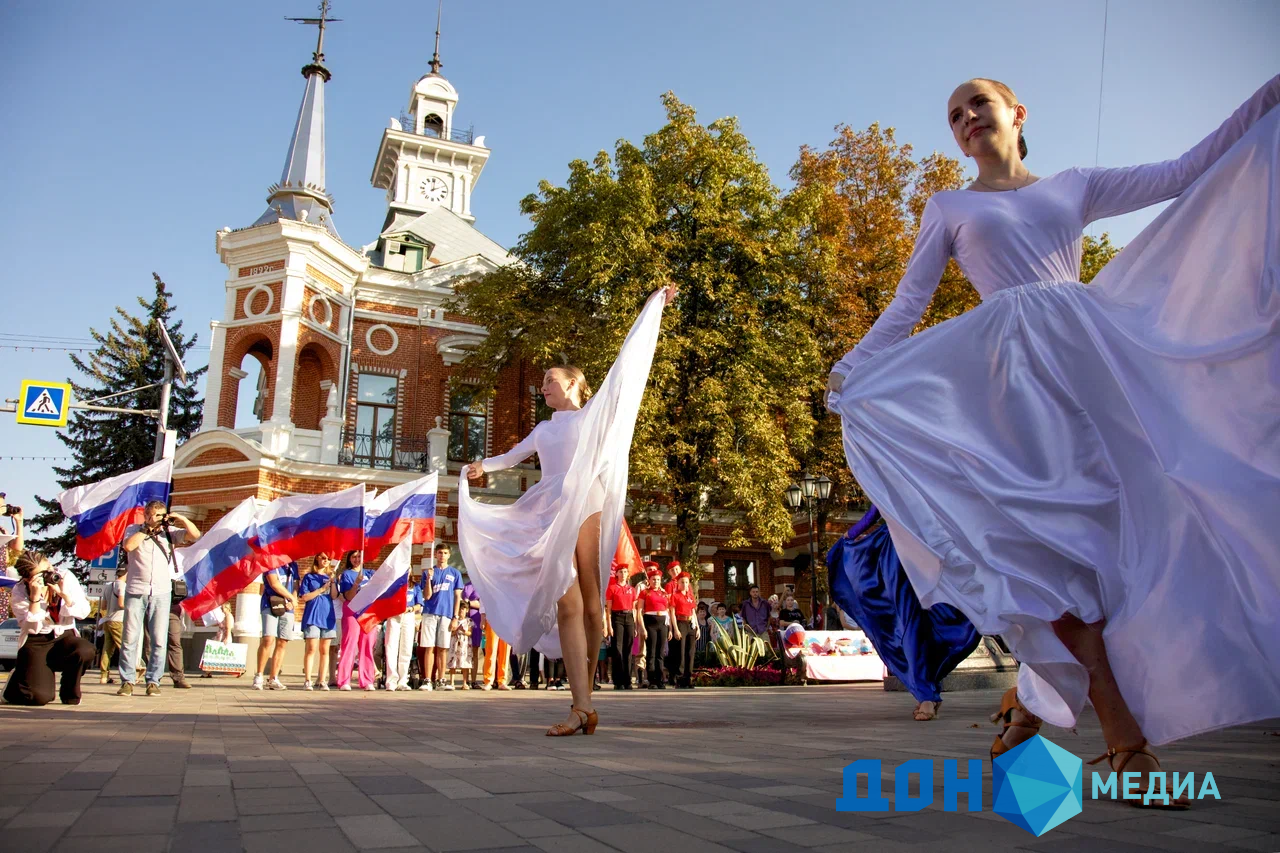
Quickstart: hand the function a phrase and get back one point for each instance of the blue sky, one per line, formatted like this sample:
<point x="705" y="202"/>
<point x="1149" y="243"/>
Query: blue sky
<point x="134" y="131"/>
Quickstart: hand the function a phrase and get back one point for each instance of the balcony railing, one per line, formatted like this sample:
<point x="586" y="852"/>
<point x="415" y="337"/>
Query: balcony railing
<point x="466" y="137"/>
<point x="362" y="450"/>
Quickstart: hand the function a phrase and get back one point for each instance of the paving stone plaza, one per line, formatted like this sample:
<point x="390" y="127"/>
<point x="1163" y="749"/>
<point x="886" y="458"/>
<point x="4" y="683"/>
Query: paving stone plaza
<point x="224" y="768"/>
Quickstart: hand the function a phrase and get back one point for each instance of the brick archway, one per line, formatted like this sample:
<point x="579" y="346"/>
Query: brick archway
<point x="314" y="365"/>
<point x="261" y="348"/>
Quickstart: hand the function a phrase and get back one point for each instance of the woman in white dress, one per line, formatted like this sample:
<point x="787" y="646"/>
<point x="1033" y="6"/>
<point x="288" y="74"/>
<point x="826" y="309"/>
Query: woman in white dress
<point x="1093" y="472"/>
<point x="537" y="563"/>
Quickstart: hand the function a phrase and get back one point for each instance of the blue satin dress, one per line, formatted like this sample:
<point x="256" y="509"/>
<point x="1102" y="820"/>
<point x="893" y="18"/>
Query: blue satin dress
<point x="919" y="646"/>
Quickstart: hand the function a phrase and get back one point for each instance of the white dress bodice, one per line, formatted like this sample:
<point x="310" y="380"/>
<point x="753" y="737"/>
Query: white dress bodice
<point x="1033" y="234"/>
<point x="554" y="440"/>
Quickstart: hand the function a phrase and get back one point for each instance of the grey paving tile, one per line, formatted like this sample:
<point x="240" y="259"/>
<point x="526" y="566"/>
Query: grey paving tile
<point x="420" y="805"/>
<point x="141" y="786"/>
<point x="582" y="814"/>
<point x="389" y="785"/>
<point x="326" y="840"/>
<point x="31" y="840"/>
<point x="462" y="831"/>
<point x="62" y="800"/>
<point x="40" y="819"/>
<point x="206" y="837"/>
<point x="207" y="804"/>
<point x="113" y="820"/>
<point x="571" y="844"/>
<point x="648" y="837"/>
<point x="539" y="828"/>
<point x="156" y="843"/>
<point x="375" y="832"/>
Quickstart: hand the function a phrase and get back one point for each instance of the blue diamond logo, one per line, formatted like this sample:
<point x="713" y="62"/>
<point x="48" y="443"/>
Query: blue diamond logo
<point x="1038" y="785"/>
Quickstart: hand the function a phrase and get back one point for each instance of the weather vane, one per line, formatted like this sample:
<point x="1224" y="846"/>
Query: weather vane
<point x="435" y="58"/>
<point x="318" y="56"/>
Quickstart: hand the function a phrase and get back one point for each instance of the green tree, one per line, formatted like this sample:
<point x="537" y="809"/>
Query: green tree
<point x="727" y="409"/>
<point x="1094" y="255"/>
<point x="861" y="199"/>
<point x="105" y="444"/>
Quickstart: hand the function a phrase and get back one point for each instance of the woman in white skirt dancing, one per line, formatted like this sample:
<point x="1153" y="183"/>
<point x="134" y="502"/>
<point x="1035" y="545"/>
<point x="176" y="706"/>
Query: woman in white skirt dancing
<point x="1093" y="472"/>
<point x="537" y="563"/>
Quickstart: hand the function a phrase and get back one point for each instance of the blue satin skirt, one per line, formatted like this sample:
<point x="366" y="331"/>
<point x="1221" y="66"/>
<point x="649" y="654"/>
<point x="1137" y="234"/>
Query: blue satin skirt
<point x="918" y="646"/>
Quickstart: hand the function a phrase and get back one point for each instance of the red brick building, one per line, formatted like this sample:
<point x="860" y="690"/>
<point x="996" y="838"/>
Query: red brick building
<point x="353" y="350"/>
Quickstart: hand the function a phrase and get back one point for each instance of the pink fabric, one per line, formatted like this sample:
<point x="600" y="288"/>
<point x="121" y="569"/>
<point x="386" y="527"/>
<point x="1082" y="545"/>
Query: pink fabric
<point x="353" y="640"/>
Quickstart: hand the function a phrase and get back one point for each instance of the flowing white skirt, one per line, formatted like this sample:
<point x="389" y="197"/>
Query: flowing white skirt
<point x="1110" y="451"/>
<point x="520" y="555"/>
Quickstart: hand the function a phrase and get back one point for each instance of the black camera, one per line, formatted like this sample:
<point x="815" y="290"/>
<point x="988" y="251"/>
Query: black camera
<point x="9" y="509"/>
<point x="50" y="577"/>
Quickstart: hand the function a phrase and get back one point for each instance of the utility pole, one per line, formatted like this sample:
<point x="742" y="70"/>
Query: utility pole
<point x="166" y="439"/>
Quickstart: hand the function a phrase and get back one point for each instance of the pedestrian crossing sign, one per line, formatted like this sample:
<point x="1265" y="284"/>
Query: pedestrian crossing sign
<point x="44" y="403"/>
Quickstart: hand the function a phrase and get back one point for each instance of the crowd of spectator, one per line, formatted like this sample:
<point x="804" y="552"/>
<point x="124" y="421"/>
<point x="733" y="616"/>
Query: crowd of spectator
<point x="656" y="630"/>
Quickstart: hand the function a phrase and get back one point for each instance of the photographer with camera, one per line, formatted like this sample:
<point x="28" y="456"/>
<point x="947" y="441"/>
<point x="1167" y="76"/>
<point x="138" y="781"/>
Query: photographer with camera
<point x="10" y="546"/>
<point x="47" y="603"/>
<point x="152" y="585"/>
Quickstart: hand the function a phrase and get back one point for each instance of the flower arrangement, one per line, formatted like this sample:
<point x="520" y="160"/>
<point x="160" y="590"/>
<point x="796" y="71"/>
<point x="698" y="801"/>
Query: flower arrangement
<point x="737" y="676"/>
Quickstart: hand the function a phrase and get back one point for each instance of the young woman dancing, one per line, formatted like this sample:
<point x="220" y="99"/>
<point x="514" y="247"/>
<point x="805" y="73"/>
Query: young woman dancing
<point x="918" y="645"/>
<point x="537" y="563"/>
<point x="1092" y="472"/>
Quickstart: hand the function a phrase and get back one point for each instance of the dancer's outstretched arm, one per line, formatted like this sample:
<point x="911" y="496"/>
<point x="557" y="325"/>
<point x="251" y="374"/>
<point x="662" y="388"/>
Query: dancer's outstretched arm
<point x="1111" y="192"/>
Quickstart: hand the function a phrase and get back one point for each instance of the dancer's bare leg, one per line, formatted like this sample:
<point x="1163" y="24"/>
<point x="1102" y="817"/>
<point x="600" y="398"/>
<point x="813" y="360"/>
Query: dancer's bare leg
<point x="587" y="558"/>
<point x="1119" y="727"/>
<point x="571" y="616"/>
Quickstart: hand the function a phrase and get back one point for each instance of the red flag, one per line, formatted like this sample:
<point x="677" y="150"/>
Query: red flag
<point x="627" y="554"/>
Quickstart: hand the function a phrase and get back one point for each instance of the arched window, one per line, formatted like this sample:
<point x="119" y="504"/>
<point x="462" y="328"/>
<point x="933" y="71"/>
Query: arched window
<point x="251" y="385"/>
<point x="309" y="400"/>
<point x="433" y="125"/>
<point x="375" y="420"/>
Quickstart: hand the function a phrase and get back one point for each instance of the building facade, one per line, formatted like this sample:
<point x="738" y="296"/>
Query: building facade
<point x="355" y="352"/>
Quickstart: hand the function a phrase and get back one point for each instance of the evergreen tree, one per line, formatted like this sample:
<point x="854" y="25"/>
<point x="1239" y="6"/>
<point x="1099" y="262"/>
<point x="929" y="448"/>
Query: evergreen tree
<point x="105" y="444"/>
<point x="726" y="406"/>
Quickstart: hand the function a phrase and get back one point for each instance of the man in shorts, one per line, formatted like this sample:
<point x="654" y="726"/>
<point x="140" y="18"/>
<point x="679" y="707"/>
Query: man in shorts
<point x="441" y="603"/>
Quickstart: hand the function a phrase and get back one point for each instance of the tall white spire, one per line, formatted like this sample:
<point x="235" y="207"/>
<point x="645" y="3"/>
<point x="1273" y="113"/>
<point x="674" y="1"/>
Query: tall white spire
<point x="301" y="193"/>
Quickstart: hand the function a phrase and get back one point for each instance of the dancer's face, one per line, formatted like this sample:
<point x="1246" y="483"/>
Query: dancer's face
<point x="983" y="123"/>
<point x="559" y="390"/>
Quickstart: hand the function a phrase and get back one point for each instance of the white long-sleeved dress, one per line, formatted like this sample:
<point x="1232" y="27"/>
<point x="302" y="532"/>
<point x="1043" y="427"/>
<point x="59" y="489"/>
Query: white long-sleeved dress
<point x="1110" y="451"/>
<point x="520" y="555"/>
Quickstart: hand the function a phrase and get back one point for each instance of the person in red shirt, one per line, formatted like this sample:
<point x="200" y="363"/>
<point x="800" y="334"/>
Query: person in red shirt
<point x="685" y="635"/>
<point x="621" y="627"/>
<point x="671" y="654"/>
<point x="654" y="605"/>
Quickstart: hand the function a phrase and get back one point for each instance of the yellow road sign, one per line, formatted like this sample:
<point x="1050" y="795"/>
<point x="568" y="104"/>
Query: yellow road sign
<point x="44" y="403"/>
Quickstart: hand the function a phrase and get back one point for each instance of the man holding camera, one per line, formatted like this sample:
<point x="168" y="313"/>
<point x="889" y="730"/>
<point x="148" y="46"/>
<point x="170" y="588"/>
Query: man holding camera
<point x="149" y="593"/>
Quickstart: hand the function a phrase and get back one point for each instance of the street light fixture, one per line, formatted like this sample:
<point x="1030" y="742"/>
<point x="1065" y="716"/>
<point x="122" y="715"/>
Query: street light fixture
<point x="807" y="484"/>
<point x="811" y="490"/>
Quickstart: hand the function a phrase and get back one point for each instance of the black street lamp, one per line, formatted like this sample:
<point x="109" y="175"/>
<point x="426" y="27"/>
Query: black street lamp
<point x="808" y="494"/>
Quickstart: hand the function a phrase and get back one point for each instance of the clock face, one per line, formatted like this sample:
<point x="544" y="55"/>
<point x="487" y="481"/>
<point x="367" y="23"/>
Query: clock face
<point x="434" y="190"/>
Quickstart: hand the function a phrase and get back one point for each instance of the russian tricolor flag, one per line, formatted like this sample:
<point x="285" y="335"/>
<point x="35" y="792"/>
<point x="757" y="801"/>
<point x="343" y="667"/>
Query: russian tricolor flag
<point x="101" y="511"/>
<point x="223" y="561"/>
<point x="386" y="593"/>
<point x="406" y="512"/>
<point x="301" y="526"/>
<point x="255" y="537"/>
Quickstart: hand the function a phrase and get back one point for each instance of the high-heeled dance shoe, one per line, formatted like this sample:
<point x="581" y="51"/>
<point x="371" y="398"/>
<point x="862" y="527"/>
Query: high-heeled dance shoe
<point x="1129" y="752"/>
<point x="1008" y="705"/>
<point x="586" y="724"/>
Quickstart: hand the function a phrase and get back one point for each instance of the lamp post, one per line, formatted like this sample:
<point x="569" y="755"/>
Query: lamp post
<point x="808" y="494"/>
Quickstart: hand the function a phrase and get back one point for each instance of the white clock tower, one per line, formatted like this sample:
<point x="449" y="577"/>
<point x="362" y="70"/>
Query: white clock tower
<point x="426" y="162"/>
